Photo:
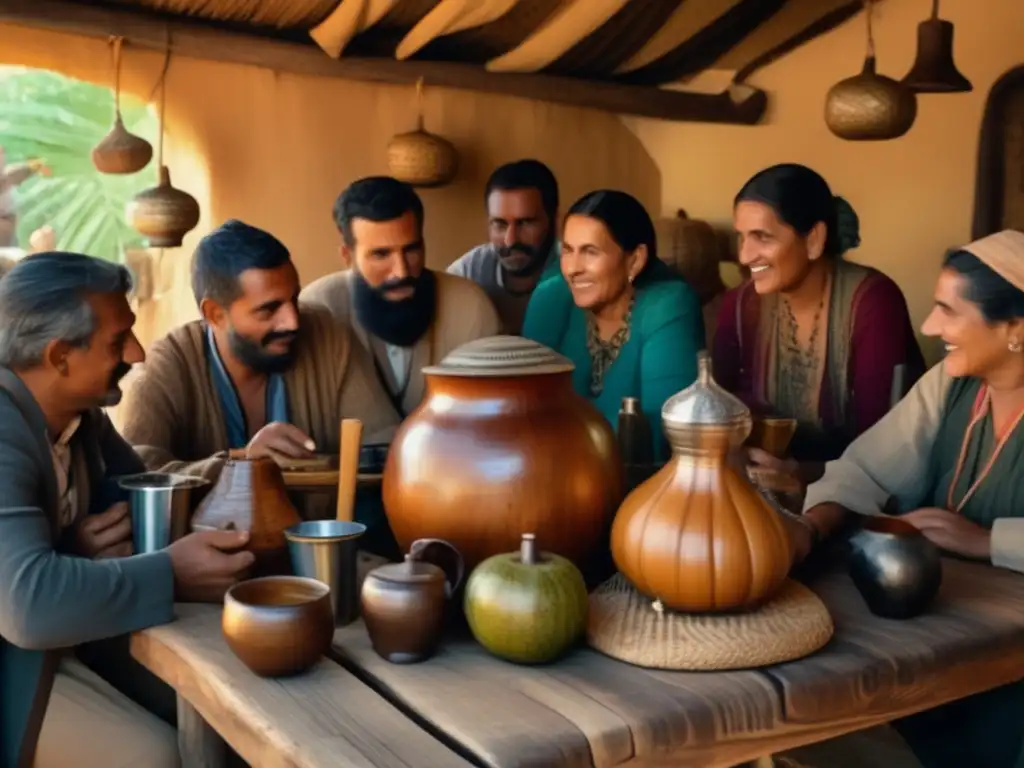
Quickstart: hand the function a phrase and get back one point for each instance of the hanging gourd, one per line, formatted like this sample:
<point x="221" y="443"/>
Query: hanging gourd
<point x="163" y="213"/>
<point x="870" y="106"/>
<point x="698" y="537"/>
<point x="120" y="151"/>
<point x="420" y="158"/>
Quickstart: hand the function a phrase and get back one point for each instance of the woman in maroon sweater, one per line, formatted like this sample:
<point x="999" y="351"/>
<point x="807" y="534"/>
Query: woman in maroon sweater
<point x="810" y="336"/>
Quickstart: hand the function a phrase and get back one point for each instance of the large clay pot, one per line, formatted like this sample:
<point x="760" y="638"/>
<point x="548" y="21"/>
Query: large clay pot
<point x="698" y="536"/>
<point x="250" y="495"/>
<point x="502" y="445"/>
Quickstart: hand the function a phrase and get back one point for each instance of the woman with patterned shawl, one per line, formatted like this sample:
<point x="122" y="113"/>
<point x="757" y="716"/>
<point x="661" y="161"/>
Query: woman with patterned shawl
<point x="950" y="456"/>
<point x="810" y="336"/>
<point x="626" y="319"/>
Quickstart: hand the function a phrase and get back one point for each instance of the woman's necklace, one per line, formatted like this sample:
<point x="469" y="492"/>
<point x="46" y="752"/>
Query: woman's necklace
<point x="798" y="365"/>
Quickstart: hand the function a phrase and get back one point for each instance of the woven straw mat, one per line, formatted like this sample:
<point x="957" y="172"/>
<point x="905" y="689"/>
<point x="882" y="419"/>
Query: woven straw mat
<point x="623" y="624"/>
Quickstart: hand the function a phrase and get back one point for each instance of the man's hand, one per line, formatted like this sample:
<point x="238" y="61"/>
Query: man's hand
<point x="106" y="535"/>
<point x="952" y="532"/>
<point x="203" y="569"/>
<point x="801" y="537"/>
<point x="284" y="439"/>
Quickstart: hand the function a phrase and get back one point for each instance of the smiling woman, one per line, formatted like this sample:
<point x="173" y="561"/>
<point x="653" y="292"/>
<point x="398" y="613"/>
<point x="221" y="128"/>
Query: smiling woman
<point x="951" y="455"/>
<point x="810" y="336"/>
<point x="626" y="319"/>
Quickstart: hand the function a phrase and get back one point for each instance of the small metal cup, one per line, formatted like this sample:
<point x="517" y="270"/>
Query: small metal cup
<point x="325" y="550"/>
<point x="160" y="505"/>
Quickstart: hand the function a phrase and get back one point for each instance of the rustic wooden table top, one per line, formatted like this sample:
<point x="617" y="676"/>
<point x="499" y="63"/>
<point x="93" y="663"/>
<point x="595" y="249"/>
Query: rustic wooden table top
<point x="326" y="717"/>
<point x="590" y="711"/>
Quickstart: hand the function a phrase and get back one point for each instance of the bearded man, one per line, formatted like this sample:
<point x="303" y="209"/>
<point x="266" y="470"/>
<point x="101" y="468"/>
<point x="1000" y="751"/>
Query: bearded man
<point x="523" y="250"/>
<point x="255" y="374"/>
<point x="406" y="315"/>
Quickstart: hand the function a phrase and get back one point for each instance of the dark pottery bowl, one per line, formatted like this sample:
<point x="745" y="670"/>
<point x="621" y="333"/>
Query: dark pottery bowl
<point x="278" y="625"/>
<point x="894" y="567"/>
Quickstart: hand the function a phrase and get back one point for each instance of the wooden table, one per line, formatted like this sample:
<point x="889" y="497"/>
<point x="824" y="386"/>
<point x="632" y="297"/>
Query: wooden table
<point x="590" y="711"/>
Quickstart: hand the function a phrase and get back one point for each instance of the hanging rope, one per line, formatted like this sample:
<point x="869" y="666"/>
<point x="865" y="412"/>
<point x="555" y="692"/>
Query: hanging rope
<point x="115" y="54"/>
<point x="161" y="83"/>
<point x="419" y="103"/>
<point x="935" y="9"/>
<point x="869" y="7"/>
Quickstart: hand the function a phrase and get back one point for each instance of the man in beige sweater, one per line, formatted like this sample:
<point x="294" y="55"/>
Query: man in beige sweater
<point x="256" y="374"/>
<point x="407" y="316"/>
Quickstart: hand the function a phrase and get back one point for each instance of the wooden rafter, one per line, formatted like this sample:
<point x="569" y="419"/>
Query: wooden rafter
<point x="741" y="104"/>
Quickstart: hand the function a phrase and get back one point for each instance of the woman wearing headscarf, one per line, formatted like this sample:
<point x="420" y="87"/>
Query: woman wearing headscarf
<point x="810" y="336"/>
<point x="951" y="457"/>
<point x="626" y="319"/>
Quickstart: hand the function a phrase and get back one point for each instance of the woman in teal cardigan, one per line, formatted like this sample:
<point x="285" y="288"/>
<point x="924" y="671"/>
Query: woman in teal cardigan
<point x="630" y="324"/>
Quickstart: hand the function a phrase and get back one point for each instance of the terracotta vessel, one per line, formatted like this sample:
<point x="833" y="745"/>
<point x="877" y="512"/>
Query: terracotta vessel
<point x="250" y="495"/>
<point x="279" y="625"/>
<point x="404" y="605"/>
<point x="501" y="446"/>
<point x="697" y="536"/>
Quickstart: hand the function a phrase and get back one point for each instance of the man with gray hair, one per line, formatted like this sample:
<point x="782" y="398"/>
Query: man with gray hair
<point x="66" y="341"/>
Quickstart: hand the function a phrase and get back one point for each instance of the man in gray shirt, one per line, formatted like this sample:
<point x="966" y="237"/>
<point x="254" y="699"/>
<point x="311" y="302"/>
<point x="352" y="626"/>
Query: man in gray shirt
<point x="522" y="208"/>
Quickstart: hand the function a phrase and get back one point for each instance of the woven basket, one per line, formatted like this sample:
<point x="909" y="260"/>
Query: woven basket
<point x="422" y="159"/>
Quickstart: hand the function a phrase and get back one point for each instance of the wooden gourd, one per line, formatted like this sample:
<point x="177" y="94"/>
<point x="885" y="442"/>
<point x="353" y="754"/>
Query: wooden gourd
<point x="250" y="495"/>
<point x="502" y="445"/>
<point x="697" y="536"/>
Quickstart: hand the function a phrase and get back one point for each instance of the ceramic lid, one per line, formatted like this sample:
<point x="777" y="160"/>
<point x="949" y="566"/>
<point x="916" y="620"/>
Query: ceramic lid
<point x="704" y="401"/>
<point x="410" y="571"/>
<point x="498" y="356"/>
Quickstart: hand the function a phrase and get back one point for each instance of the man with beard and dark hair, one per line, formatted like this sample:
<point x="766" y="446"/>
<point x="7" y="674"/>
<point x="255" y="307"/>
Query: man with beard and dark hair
<point x="522" y="207"/>
<point x="66" y="563"/>
<point x="406" y="315"/>
<point x="256" y="374"/>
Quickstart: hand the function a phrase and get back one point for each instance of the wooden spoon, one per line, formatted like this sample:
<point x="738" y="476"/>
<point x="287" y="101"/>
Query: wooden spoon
<point x="348" y="467"/>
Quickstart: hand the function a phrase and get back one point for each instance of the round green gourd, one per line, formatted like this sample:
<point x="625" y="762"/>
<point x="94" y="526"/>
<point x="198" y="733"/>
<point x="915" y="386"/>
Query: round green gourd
<point x="526" y="607"/>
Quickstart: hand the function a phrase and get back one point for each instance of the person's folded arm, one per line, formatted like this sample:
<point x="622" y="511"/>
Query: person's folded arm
<point x="54" y="600"/>
<point x="151" y="419"/>
<point x="891" y="459"/>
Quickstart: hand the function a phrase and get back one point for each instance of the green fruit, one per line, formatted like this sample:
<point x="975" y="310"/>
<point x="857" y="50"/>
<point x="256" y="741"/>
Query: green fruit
<point x="526" y="607"/>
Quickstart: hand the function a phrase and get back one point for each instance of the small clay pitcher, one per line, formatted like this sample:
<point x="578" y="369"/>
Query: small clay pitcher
<point x="250" y="495"/>
<point x="404" y="604"/>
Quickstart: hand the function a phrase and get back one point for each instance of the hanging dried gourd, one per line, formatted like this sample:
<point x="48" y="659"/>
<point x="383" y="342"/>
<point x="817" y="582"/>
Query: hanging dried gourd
<point x="163" y="213"/>
<point x="420" y="158"/>
<point x="120" y="151"/>
<point x="870" y="106"/>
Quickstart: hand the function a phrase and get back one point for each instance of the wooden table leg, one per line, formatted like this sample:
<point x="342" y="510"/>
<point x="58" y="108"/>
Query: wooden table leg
<point x="200" y="746"/>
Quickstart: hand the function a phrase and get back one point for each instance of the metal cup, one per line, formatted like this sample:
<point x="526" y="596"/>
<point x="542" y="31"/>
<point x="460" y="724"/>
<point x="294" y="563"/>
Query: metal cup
<point x="325" y="550"/>
<point x="160" y="507"/>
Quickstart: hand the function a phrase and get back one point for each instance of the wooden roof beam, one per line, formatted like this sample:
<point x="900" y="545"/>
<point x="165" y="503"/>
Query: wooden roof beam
<point x="741" y="104"/>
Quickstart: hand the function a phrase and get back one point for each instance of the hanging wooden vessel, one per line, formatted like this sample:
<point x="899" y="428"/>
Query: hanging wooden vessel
<point x="697" y="536"/>
<point x="420" y="158"/>
<point x="163" y="213"/>
<point x="870" y="106"/>
<point x="934" y="70"/>
<point x="120" y="151"/>
<point x="501" y="446"/>
<point x="250" y="495"/>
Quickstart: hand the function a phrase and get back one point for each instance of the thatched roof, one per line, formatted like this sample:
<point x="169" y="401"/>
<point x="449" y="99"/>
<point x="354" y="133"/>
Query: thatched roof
<point x="607" y="44"/>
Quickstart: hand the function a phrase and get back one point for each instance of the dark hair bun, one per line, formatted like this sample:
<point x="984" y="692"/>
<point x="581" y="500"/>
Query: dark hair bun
<point x="847" y="225"/>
